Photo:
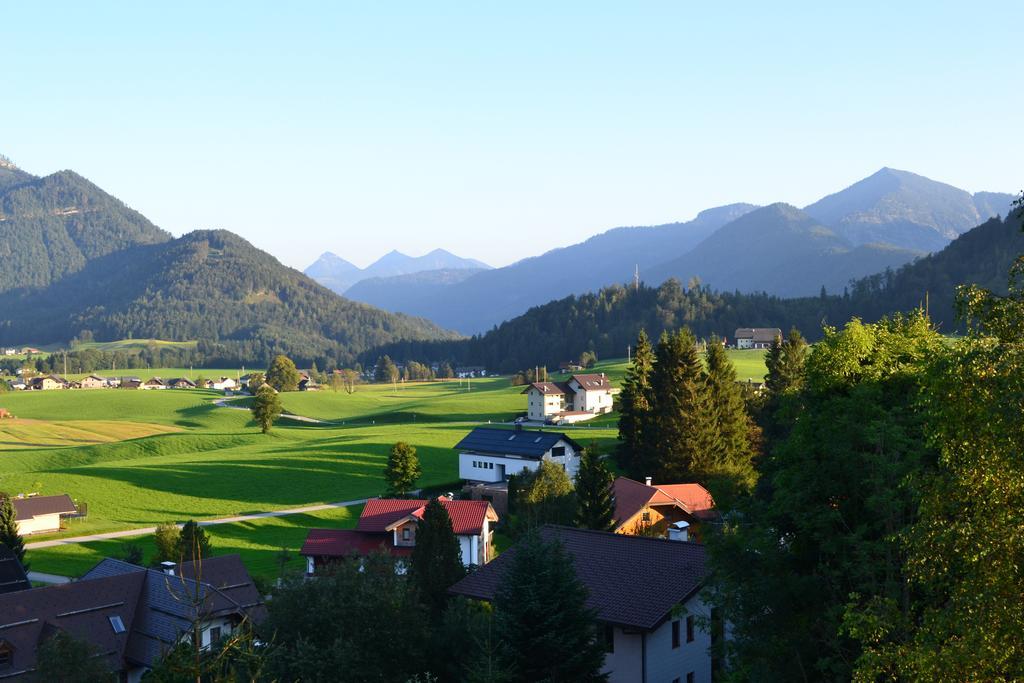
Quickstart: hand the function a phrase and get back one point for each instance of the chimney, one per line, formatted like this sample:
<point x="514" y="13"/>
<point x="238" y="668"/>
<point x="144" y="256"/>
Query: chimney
<point x="680" y="531"/>
<point x="168" y="567"/>
<point x="647" y="480"/>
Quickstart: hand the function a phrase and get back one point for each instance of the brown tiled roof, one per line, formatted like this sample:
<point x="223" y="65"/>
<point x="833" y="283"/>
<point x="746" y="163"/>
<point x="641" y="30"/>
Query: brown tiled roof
<point x="633" y="581"/>
<point x="593" y="381"/>
<point x="27" y="508"/>
<point x="549" y="388"/>
<point x="82" y="609"/>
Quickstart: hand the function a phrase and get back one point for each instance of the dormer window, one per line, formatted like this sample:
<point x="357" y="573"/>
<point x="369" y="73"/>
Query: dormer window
<point x="406" y="534"/>
<point x="117" y="624"/>
<point x="6" y="654"/>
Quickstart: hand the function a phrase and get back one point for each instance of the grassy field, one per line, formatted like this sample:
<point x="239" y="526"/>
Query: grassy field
<point x="139" y="458"/>
<point x="135" y="345"/>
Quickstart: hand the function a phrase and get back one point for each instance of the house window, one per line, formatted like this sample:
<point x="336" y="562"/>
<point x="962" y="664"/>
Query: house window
<point x="215" y="635"/>
<point x="646" y="516"/>
<point x="6" y="655"/>
<point x="609" y="639"/>
<point x="675" y="634"/>
<point x="117" y="624"/>
<point x="406" y="534"/>
<point x="557" y="451"/>
<point x="689" y="629"/>
<point x="690" y="677"/>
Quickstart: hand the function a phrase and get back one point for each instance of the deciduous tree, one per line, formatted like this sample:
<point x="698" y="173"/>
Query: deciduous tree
<point x="282" y="374"/>
<point x="64" y="658"/>
<point x="266" y="407"/>
<point x="167" y="539"/>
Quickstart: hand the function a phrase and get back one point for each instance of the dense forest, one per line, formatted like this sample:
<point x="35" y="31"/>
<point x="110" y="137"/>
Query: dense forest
<point x="212" y="286"/>
<point x="607" y="322"/>
<point x="51" y="227"/>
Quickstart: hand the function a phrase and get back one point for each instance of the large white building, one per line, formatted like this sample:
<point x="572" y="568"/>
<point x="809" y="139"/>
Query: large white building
<point x="490" y="455"/>
<point x="756" y="337"/>
<point x="580" y="398"/>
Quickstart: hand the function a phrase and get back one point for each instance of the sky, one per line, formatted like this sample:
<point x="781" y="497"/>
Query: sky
<point x="500" y="130"/>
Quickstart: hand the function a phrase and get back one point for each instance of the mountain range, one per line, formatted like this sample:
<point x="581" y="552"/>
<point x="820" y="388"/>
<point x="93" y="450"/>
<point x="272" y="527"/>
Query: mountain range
<point x="78" y="262"/>
<point x="339" y="275"/>
<point x="883" y="221"/>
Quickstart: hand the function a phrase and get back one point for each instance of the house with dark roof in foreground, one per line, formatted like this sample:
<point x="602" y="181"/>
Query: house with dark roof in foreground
<point x="12" y="574"/>
<point x="41" y="514"/>
<point x="645" y="593"/>
<point x="131" y="615"/>
<point x="389" y="525"/>
<point x="640" y="508"/>
<point x="491" y="455"/>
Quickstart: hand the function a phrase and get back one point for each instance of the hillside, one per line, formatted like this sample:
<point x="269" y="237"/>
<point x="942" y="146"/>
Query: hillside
<point x="207" y="285"/>
<point x="53" y="226"/>
<point x="906" y="210"/>
<point x="339" y="275"/>
<point x="402" y="293"/>
<point x="781" y="250"/>
<point x="490" y="297"/>
<point x="609" y="320"/>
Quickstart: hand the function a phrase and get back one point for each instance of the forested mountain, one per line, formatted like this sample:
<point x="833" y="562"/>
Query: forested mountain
<point x="781" y="250"/>
<point x="607" y="321"/>
<point x="53" y="226"/>
<point x="213" y="286"/>
<point x="490" y="297"/>
<point x="906" y="210"/>
<point x="339" y="275"/>
<point x="401" y="293"/>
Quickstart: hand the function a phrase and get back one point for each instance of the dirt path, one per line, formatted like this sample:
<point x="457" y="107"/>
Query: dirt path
<point x="210" y="522"/>
<point x="224" y="403"/>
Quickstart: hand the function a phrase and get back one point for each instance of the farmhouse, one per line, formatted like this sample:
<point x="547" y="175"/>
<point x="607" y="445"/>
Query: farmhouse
<point x="580" y="398"/>
<point x="130" y="383"/>
<point x="153" y="383"/>
<point x="307" y="383"/>
<point x="47" y="383"/>
<point x="130" y="615"/>
<point x="389" y="525"/>
<point x="223" y="384"/>
<point x="181" y="383"/>
<point x="756" y="337"/>
<point x="41" y="514"/>
<point x="93" y="382"/>
<point x="490" y="455"/>
<point x="640" y="508"/>
<point x="645" y="594"/>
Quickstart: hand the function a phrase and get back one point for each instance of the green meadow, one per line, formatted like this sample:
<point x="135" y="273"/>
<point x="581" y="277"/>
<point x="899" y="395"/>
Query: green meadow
<point x="138" y="458"/>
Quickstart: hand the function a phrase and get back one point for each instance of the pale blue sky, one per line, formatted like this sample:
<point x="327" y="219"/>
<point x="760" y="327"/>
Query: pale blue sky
<point x="499" y="131"/>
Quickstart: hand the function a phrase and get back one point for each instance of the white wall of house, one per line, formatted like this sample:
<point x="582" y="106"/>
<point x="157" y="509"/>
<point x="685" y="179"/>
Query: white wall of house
<point x="539" y="406"/>
<point x="744" y="343"/>
<point x="39" y="524"/>
<point x="223" y="623"/>
<point x="495" y="468"/>
<point x="664" y="662"/>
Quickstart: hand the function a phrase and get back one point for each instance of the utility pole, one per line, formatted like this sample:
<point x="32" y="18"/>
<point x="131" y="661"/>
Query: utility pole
<point x="65" y="363"/>
<point x="629" y="353"/>
<point x="636" y="278"/>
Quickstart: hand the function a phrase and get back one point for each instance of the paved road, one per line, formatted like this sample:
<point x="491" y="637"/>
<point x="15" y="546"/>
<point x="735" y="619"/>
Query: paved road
<point x="225" y="403"/>
<point x="210" y="522"/>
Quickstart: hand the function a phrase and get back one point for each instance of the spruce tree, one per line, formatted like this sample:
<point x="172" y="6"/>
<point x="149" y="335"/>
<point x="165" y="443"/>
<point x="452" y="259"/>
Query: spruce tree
<point x="193" y="543"/>
<point x="785" y="360"/>
<point x="546" y="630"/>
<point x="436" y="557"/>
<point x="734" y="460"/>
<point x="9" y="529"/>
<point x="595" y="504"/>
<point x="403" y="469"/>
<point x="635" y="403"/>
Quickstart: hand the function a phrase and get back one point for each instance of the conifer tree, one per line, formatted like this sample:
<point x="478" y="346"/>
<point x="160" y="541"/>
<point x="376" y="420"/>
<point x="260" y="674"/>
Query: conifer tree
<point x="193" y="543"/>
<point x="436" y="557"/>
<point x="635" y="409"/>
<point x="546" y="630"/>
<point x="403" y="469"/>
<point x="734" y="459"/>
<point x="684" y="437"/>
<point x="9" y="529"/>
<point x="595" y="504"/>
<point x="785" y="360"/>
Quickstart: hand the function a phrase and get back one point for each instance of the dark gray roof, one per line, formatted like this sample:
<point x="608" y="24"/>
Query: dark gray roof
<point x="27" y="508"/>
<point x="633" y="581"/>
<point x="758" y="334"/>
<point x="12" y="574"/>
<point x="523" y="443"/>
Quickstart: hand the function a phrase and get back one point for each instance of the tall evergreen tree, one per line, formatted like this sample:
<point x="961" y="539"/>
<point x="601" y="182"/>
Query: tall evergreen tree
<point x="684" y="437"/>
<point x="546" y="630"/>
<point x="635" y="409"/>
<point x="403" y="469"/>
<point x="194" y="542"/>
<point x="595" y="502"/>
<point x="282" y="374"/>
<point x="385" y="371"/>
<point x="436" y="557"/>
<point x="9" y="529"/>
<point x="786" y="362"/>
<point x="733" y="465"/>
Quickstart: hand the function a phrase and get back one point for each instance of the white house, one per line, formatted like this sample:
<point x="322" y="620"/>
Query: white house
<point x="645" y="593"/>
<point x="580" y="398"/>
<point x="389" y="524"/>
<point x="490" y="455"/>
<point x="756" y="337"/>
<point x="41" y="514"/>
<point x="223" y="384"/>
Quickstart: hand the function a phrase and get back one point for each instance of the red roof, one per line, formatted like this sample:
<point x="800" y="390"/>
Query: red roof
<point x="381" y="514"/>
<point x="631" y="497"/>
<point x="344" y="542"/>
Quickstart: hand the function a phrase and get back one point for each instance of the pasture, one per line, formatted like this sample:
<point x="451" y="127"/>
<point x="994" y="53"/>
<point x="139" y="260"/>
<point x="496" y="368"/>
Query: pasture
<point x="173" y="455"/>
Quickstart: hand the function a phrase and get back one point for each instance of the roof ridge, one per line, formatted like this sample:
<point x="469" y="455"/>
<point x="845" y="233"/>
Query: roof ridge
<point x="612" y="533"/>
